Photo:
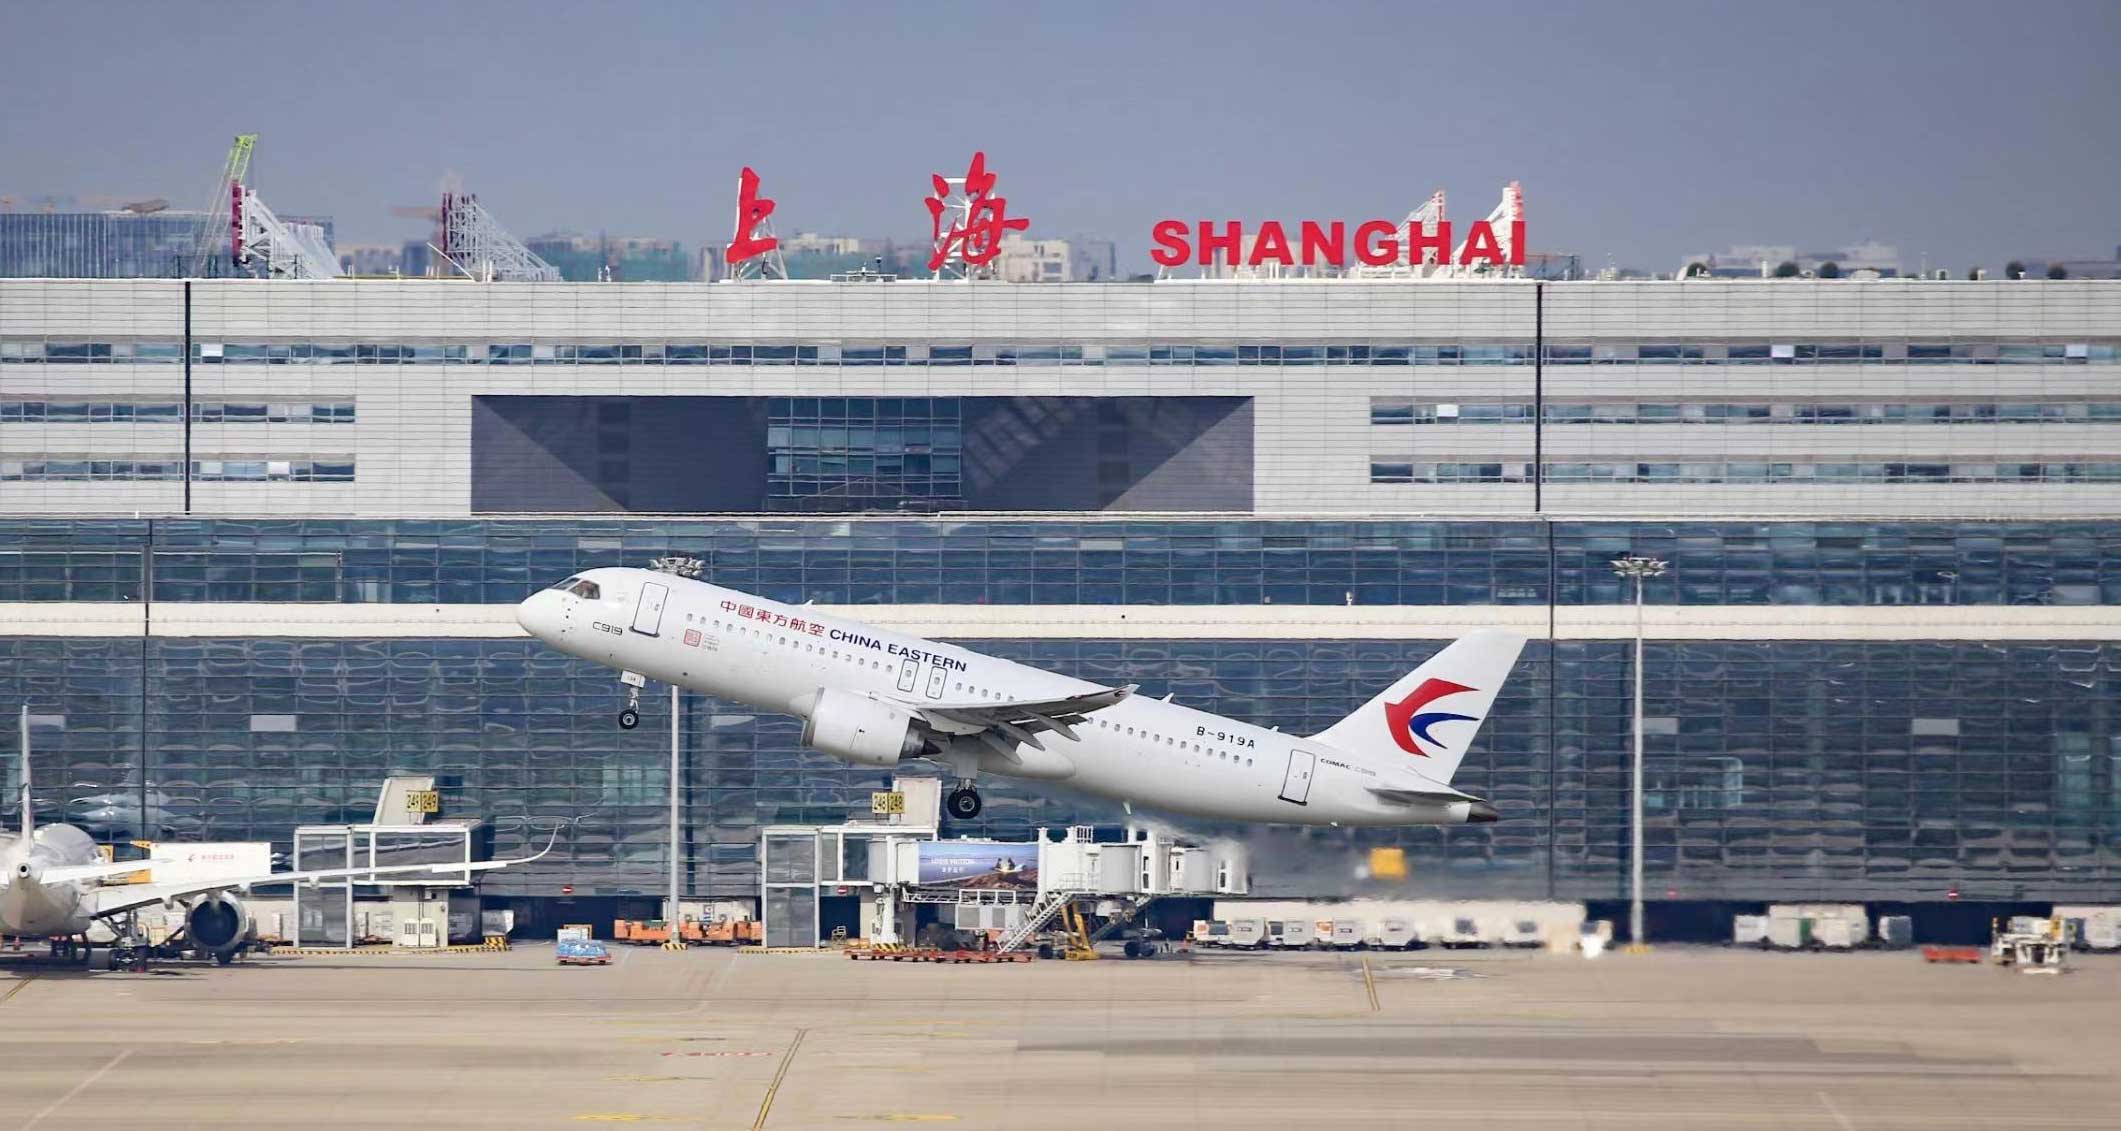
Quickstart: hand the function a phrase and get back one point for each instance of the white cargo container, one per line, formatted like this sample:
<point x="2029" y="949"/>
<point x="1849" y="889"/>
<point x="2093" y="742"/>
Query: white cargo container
<point x="1789" y="932"/>
<point x="172" y="862"/>
<point x="1291" y="934"/>
<point x="2098" y="926"/>
<point x="1464" y="931"/>
<point x="1395" y="933"/>
<point x="1837" y="925"/>
<point x="1749" y="930"/>
<point x="1249" y="932"/>
<point x="1347" y="934"/>
<point x="1522" y="933"/>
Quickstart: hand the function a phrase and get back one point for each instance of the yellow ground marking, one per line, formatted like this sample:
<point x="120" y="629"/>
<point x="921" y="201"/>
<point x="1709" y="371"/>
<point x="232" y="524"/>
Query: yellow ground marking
<point x="1369" y="982"/>
<point x="19" y="986"/>
<point x="766" y="1105"/>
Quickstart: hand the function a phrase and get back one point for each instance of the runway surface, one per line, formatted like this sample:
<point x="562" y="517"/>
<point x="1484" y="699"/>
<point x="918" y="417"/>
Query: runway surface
<point x="714" y="1039"/>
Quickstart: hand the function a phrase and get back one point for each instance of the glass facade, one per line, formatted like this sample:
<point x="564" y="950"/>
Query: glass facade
<point x="1773" y="770"/>
<point x="831" y="452"/>
<point x="1789" y="769"/>
<point x="946" y="354"/>
<point x="1189" y="561"/>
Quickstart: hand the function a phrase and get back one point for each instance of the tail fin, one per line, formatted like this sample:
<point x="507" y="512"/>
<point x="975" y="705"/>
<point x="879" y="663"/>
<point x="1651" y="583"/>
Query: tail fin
<point x="1428" y="718"/>
<point x="29" y="817"/>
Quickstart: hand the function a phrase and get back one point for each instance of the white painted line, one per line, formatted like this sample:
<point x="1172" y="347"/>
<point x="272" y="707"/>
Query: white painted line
<point x="1839" y="1118"/>
<point x="78" y="1089"/>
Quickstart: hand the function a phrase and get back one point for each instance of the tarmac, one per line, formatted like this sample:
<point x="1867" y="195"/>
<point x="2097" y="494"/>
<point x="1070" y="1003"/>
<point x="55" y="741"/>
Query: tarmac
<point x="1678" y="1038"/>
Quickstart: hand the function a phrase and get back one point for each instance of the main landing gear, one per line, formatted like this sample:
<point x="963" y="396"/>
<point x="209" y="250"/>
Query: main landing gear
<point x="963" y="803"/>
<point x="631" y="716"/>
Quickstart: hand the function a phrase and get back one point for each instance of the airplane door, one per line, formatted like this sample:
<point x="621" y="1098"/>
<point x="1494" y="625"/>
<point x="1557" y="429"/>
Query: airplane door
<point x="936" y="678"/>
<point x="1297" y="786"/>
<point x="648" y="615"/>
<point x="909" y="672"/>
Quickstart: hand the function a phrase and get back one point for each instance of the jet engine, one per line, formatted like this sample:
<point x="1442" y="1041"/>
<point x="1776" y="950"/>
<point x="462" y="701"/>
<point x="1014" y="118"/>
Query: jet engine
<point x="218" y="924"/>
<point x="855" y="728"/>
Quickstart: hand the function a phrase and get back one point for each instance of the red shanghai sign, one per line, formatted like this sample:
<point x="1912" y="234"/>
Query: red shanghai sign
<point x="1377" y="243"/>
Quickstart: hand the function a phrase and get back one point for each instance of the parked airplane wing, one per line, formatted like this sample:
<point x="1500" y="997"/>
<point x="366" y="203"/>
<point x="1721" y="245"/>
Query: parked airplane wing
<point x="1021" y="720"/>
<point x="113" y="900"/>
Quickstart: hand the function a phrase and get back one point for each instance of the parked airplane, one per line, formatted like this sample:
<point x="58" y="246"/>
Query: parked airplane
<point x="51" y="886"/>
<point x="873" y="697"/>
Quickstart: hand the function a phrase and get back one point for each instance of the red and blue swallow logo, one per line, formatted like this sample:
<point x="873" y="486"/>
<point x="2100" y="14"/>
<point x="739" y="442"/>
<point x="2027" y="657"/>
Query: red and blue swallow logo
<point x="1406" y="725"/>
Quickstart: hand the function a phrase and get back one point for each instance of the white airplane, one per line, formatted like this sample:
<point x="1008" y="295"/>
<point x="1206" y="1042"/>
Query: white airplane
<point x="52" y="886"/>
<point x="873" y="697"/>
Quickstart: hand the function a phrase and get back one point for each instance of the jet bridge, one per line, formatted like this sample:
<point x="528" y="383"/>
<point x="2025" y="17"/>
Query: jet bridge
<point x="870" y="879"/>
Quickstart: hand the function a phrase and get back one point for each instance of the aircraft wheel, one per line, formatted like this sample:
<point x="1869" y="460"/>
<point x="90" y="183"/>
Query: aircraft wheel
<point x="963" y="803"/>
<point x="1132" y="949"/>
<point x="629" y="719"/>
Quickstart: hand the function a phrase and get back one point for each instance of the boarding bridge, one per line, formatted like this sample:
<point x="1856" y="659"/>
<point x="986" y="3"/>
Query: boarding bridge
<point x="404" y="830"/>
<point x="868" y="879"/>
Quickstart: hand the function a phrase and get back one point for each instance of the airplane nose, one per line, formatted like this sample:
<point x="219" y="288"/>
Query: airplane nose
<point x="541" y="615"/>
<point x="1482" y="813"/>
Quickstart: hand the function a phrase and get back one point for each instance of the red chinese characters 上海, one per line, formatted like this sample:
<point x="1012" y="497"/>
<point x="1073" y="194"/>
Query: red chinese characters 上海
<point x="975" y="236"/>
<point x="751" y="211"/>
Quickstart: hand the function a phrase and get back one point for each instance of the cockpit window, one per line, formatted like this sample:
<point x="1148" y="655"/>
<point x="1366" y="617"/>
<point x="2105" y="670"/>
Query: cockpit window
<point x="581" y="587"/>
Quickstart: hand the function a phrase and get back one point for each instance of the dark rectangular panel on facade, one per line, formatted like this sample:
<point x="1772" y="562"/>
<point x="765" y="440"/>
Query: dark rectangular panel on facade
<point x="665" y="455"/>
<point x="1108" y="453"/>
<point x="566" y="454"/>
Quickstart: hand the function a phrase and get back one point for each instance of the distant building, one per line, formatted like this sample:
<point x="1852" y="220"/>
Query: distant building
<point x="117" y="244"/>
<point x="1751" y="261"/>
<point x="371" y="258"/>
<point x="631" y="259"/>
<point x="811" y="255"/>
<point x="2076" y="268"/>
<point x="1075" y="260"/>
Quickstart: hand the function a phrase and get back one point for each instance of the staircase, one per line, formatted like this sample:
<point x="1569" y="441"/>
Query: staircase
<point x="1036" y="918"/>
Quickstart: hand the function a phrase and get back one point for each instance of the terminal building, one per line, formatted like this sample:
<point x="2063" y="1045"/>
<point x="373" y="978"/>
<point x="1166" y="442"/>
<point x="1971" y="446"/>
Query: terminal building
<point x="260" y="543"/>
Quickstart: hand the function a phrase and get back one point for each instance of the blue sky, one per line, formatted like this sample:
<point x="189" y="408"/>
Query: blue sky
<point x="1964" y="132"/>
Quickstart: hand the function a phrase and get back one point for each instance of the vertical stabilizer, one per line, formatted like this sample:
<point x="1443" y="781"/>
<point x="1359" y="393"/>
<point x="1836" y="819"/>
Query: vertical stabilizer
<point x="1427" y="720"/>
<point x="29" y="819"/>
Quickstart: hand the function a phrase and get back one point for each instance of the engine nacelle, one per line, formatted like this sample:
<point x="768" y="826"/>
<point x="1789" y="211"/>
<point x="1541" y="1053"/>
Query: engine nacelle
<point x="218" y="924"/>
<point x="858" y="729"/>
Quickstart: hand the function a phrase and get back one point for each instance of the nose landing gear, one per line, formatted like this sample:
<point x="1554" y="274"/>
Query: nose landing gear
<point x="963" y="803"/>
<point x="631" y="716"/>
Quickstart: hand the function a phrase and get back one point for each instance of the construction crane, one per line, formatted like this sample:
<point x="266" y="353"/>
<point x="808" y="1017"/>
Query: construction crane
<point x="206" y="239"/>
<point x="475" y="243"/>
<point x="282" y="249"/>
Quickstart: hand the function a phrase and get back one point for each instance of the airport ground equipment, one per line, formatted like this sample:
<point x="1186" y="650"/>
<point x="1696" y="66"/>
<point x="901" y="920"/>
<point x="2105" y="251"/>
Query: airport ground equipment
<point x="1394" y="933"/>
<point x="1075" y="937"/>
<point x="2034" y="946"/>
<point x="1749" y="930"/>
<point x="640" y="932"/>
<point x="1896" y="932"/>
<point x="2097" y="927"/>
<point x="582" y="952"/>
<point x="1969" y="955"/>
<point x="1817" y="926"/>
<point x="1400" y="924"/>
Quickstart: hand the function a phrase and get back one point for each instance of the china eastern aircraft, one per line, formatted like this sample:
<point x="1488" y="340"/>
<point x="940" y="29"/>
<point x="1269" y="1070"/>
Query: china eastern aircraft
<point x="52" y="886"/>
<point x="872" y="697"/>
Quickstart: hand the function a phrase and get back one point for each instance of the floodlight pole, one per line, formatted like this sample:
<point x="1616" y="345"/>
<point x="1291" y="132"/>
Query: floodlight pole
<point x="670" y="910"/>
<point x="1640" y="569"/>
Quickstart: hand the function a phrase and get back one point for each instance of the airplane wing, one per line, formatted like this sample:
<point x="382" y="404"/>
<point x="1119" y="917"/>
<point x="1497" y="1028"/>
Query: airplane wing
<point x="114" y="900"/>
<point x="1019" y="720"/>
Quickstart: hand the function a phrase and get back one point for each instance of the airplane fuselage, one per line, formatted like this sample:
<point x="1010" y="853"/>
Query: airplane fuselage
<point x="1142" y="751"/>
<point x="31" y="908"/>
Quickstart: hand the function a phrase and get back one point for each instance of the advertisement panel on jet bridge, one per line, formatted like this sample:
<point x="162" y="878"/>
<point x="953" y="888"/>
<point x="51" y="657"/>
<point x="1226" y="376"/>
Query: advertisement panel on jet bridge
<point x="977" y="864"/>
